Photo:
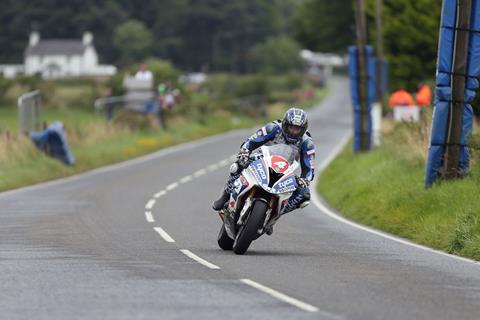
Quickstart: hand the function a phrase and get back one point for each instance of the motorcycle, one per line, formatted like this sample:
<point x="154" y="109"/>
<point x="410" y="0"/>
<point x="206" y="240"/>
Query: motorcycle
<point x="260" y="193"/>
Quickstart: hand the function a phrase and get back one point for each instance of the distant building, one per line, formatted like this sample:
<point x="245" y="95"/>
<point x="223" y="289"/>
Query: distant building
<point x="59" y="58"/>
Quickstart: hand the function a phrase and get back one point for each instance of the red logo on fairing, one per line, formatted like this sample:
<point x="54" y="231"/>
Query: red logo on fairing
<point x="279" y="164"/>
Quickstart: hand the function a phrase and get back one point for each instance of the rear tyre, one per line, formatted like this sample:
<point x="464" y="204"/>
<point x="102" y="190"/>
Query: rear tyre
<point x="224" y="241"/>
<point x="249" y="231"/>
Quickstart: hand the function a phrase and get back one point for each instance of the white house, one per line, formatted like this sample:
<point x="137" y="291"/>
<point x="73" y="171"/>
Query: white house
<point x="60" y="58"/>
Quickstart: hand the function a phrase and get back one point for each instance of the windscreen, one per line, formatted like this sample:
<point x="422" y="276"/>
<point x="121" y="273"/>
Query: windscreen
<point x="288" y="152"/>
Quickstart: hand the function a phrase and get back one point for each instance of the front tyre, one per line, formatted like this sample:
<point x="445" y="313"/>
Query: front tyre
<point x="249" y="231"/>
<point x="224" y="241"/>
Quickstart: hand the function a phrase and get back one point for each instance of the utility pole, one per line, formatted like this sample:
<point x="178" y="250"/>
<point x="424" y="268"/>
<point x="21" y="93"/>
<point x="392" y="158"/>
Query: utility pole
<point x="361" y="31"/>
<point x="452" y="154"/>
<point x="379" y="49"/>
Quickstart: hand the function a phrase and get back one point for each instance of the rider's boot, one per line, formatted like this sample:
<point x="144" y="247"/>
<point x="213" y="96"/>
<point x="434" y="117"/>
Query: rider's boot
<point x="219" y="204"/>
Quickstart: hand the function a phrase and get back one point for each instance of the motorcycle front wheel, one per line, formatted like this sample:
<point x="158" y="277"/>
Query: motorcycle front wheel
<point x="248" y="232"/>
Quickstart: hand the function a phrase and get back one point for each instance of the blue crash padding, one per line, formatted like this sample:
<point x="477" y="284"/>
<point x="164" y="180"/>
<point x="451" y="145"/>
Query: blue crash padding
<point x="54" y="140"/>
<point x="443" y="90"/>
<point x="354" y="91"/>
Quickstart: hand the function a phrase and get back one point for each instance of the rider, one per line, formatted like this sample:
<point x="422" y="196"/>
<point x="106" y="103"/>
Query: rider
<point x="291" y="130"/>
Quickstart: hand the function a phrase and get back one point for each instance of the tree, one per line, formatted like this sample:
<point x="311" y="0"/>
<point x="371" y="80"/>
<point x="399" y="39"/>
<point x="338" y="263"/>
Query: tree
<point x="410" y="39"/>
<point x="325" y="25"/>
<point x="277" y="55"/>
<point x="133" y="41"/>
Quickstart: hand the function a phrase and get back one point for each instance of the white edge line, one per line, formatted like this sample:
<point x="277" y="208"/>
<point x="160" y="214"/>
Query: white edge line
<point x="150" y="204"/>
<point x="149" y="217"/>
<point x="317" y="202"/>
<point x="280" y="296"/>
<point x="163" y="234"/>
<point x="172" y="186"/>
<point x="159" y="194"/>
<point x="204" y="262"/>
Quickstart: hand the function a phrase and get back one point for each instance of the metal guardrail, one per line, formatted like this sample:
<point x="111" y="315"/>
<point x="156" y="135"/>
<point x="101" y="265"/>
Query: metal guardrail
<point x="29" y="108"/>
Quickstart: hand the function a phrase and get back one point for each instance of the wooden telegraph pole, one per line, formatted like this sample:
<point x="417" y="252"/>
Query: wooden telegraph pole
<point x="379" y="49"/>
<point x="452" y="155"/>
<point x="361" y="32"/>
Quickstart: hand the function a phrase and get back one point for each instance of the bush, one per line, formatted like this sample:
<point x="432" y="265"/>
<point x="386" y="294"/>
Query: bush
<point x="277" y="55"/>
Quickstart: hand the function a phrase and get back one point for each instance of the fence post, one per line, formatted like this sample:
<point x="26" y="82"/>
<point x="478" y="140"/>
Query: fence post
<point x="29" y="108"/>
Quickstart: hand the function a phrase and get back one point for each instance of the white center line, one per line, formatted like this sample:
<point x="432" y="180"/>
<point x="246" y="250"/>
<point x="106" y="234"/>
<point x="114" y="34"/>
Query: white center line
<point x="149" y="217"/>
<point x="274" y="293"/>
<point x="150" y="204"/>
<point x="172" y="186"/>
<point x="224" y="162"/>
<point x="193" y="256"/>
<point x="163" y="234"/>
<point x="212" y="167"/>
<point x="159" y="194"/>
<point x="186" y="179"/>
<point x="200" y="172"/>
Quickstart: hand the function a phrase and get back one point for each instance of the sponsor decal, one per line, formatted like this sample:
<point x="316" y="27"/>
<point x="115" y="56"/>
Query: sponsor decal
<point x="261" y="171"/>
<point x="279" y="164"/>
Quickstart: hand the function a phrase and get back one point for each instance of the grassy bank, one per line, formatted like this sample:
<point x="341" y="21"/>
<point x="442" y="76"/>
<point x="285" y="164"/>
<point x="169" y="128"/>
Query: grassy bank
<point x="385" y="189"/>
<point x="96" y="143"/>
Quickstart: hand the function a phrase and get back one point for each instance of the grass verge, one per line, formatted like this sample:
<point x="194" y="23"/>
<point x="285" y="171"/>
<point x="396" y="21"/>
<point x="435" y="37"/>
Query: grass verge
<point x="385" y="189"/>
<point x="95" y="143"/>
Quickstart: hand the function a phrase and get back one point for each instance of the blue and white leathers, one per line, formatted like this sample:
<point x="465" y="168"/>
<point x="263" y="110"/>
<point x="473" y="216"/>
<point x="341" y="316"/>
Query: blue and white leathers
<point x="272" y="134"/>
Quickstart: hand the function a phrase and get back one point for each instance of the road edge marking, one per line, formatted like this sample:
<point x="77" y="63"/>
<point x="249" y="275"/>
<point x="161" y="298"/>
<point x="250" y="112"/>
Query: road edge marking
<point x="203" y="262"/>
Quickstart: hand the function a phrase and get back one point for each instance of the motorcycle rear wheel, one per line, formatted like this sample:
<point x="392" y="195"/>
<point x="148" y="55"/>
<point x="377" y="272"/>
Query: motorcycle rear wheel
<point x="223" y="240"/>
<point x="249" y="231"/>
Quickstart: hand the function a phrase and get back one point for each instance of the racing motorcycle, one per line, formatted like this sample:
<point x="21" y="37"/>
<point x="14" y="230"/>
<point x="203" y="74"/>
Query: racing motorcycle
<point x="260" y="193"/>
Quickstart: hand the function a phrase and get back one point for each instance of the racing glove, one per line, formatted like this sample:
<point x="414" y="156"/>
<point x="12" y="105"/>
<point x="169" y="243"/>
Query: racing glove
<point x="302" y="182"/>
<point x="243" y="157"/>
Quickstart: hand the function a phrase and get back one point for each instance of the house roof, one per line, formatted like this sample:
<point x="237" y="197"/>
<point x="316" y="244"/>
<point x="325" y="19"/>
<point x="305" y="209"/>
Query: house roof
<point x="56" y="47"/>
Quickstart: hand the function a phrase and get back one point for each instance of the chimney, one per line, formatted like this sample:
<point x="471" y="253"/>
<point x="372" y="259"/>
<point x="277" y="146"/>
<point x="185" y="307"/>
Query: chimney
<point x="34" y="38"/>
<point x="87" y="38"/>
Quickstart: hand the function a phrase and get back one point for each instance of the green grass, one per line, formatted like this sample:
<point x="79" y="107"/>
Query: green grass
<point x="385" y="189"/>
<point x="96" y="143"/>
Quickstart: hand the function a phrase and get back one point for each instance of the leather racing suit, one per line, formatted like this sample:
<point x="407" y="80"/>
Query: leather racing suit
<point x="271" y="134"/>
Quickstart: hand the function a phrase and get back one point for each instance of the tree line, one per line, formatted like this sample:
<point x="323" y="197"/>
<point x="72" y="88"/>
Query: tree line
<point x="235" y="36"/>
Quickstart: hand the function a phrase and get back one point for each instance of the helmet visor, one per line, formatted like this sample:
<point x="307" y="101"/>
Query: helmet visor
<point x="294" y="130"/>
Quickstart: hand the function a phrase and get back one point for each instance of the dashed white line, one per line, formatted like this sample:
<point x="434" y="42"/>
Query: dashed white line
<point x="186" y="179"/>
<point x="172" y="186"/>
<point x="164" y="234"/>
<point x="159" y="194"/>
<point x="204" y="262"/>
<point x="212" y="167"/>
<point x="224" y="162"/>
<point x="150" y="204"/>
<point x="199" y="173"/>
<point x="149" y="216"/>
<point x="280" y="296"/>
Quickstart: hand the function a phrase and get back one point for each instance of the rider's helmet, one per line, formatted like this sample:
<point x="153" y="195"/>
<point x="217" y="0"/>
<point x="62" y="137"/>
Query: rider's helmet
<point x="294" y="124"/>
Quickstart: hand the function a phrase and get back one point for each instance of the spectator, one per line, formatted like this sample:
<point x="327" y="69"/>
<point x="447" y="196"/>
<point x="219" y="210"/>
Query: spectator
<point x="143" y="73"/>
<point x="424" y="96"/>
<point x="401" y="98"/>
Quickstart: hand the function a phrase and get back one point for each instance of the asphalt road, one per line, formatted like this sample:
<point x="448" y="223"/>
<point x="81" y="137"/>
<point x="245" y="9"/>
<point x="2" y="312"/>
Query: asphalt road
<point x="86" y="248"/>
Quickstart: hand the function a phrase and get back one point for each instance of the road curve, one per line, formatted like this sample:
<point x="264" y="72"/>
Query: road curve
<point x="138" y="241"/>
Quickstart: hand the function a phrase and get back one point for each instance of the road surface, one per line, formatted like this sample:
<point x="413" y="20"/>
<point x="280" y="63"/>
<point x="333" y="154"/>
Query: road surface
<point x="138" y="241"/>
